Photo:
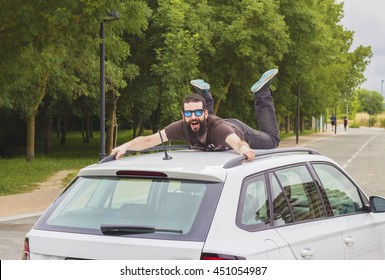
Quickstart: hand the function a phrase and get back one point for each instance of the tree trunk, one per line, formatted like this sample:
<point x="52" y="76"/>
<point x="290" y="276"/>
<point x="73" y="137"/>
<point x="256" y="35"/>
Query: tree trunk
<point x="287" y="124"/>
<point x="155" y="117"/>
<point x="58" y="128"/>
<point x="91" y="126"/>
<point x="85" y="125"/>
<point x="63" y="126"/>
<point x="30" y="148"/>
<point x="217" y="102"/>
<point x="83" y="134"/>
<point x="48" y="123"/>
<point x="88" y="126"/>
<point x="134" y="127"/>
<point x="141" y="128"/>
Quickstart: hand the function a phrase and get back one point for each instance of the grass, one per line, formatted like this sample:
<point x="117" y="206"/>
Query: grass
<point x="18" y="176"/>
<point x="283" y="136"/>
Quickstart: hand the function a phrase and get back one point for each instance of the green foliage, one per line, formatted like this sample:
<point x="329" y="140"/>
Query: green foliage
<point x="49" y="58"/>
<point x="181" y="25"/>
<point x="370" y="101"/>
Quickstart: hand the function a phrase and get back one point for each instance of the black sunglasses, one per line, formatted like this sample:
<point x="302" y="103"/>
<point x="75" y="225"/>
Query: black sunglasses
<point x="188" y="113"/>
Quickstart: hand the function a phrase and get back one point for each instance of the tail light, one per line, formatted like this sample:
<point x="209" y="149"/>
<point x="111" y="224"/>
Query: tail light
<point x="213" y="257"/>
<point x="26" y="252"/>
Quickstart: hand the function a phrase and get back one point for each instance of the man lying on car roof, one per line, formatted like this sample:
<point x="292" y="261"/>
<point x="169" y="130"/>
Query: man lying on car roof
<point x="200" y="128"/>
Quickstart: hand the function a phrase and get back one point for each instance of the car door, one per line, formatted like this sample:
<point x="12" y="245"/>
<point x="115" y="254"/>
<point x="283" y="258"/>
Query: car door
<point x="363" y="232"/>
<point x="251" y="236"/>
<point x="300" y="216"/>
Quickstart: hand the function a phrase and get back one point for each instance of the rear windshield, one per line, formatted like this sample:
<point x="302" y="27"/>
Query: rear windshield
<point x="175" y="209"/>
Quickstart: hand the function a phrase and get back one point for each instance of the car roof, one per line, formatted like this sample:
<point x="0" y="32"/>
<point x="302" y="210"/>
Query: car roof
<point x="198" y="165"/>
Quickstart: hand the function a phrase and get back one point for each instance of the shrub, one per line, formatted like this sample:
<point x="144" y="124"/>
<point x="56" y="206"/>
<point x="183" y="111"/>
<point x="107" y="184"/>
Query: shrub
<point x="354" y="125"/>
<point x="382" y="123"/>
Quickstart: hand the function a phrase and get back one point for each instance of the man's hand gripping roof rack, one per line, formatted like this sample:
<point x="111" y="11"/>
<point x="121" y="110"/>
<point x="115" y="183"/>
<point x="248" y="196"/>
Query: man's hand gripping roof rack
<point x="259" y="153"/>
<point x="152" y="149"/>
<point x="237" y="161"/>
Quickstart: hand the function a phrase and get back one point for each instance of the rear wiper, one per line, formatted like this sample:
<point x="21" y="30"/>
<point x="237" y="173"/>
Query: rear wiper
<point x="128" y="229"/>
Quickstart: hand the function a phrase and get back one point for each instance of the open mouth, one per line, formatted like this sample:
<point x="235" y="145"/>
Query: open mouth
<point x="194" y="124"/>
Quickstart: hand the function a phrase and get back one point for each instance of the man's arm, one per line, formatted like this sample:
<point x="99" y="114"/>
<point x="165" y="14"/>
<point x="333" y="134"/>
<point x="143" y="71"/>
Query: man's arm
<point x="241" y="147"/>
<point x="140" y="143"/>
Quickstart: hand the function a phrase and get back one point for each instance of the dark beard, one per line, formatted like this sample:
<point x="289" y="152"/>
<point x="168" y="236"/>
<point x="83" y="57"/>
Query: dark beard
<point x="195" y="136"/>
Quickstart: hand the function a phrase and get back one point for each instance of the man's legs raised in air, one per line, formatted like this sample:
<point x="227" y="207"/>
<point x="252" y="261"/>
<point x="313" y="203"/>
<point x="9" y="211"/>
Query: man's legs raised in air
<point x="268" y="136"/>
<point x="265" y="138"/>
<point x="203" y="88"/>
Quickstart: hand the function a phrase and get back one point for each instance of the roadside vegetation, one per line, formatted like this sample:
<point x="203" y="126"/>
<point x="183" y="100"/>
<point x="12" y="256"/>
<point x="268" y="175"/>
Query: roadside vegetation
<point x="50" y="60"/>
<point x="50" y="72"/>
<point x="18" y="176"/>
<point x="364" y="119"/>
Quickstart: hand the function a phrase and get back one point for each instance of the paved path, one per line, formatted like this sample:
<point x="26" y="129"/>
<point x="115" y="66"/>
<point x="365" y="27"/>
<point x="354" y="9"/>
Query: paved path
<point x="34" y="203"/>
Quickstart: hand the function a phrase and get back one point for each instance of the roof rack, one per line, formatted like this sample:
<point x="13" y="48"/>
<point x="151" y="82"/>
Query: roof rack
<point x="152" y="149"/>
<point x="259" y="153"/>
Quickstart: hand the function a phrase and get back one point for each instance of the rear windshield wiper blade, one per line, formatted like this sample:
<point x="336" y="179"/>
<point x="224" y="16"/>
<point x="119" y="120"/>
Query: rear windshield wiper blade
<point x="128" y="229"/>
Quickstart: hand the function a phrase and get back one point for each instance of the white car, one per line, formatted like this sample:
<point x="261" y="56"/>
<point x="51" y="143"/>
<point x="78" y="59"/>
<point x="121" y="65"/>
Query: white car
<point x="185" y="204"/>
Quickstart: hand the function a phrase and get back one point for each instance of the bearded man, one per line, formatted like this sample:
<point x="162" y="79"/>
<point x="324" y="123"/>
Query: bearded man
<point x="201" y="129"/>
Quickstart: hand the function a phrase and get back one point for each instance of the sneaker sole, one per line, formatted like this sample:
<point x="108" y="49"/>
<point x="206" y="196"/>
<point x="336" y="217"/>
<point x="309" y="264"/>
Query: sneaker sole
<point x="200" y="84"/>
<point x="267" y="76"/>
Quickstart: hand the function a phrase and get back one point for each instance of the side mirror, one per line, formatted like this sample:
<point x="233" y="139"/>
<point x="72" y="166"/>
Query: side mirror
<point x="377" y="204"/>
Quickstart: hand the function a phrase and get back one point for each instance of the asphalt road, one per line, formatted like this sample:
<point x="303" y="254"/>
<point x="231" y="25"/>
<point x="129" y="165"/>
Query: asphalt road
<point x="360" y="151"/>
<point x="12" y="234"/>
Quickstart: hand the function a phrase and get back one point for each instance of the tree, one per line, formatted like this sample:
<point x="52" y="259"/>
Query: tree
<point x="250" y="37"/>
<point x="36" y="48"/>
<point x="370" y="101"/>
<point x="49" y="59"/>
<point x="319" y="49"/>
<point x="43" y="47"/>
<point x="120" y="68"/>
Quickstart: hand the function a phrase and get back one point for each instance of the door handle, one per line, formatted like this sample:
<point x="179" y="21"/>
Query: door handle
<point x="349" y="240"/>
<point x="307" y="252"/>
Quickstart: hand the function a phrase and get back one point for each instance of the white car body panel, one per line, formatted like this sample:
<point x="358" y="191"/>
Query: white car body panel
<point x="363" y="235"/>
<point x="352" y="236"/>
<point x="318" y="240"/>
<point x="56" y="245"/>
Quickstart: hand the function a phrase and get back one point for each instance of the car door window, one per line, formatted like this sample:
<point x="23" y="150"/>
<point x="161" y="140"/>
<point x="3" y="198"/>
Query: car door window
<point x="296" y="196"/>
<point x="342" y="194"/>
<point x="253" y="206"/>
<point x="281" y="196"/>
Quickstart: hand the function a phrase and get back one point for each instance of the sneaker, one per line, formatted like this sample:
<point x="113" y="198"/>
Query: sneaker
<point x="200" y="86"/>
<point x="265" y="78"/>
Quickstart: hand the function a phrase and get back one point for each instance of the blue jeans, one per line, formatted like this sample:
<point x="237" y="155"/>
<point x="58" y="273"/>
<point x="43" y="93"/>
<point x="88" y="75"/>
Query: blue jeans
<point x="265" y="138"/>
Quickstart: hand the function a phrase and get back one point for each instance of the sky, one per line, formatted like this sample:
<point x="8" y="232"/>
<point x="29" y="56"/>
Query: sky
<point x="367" y="19"/>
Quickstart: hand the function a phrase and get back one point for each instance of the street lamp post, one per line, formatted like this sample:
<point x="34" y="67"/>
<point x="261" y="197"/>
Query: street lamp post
<point x="298" y="115"/>
<point x="382" y="84"/>
<point x="110" y="17"/>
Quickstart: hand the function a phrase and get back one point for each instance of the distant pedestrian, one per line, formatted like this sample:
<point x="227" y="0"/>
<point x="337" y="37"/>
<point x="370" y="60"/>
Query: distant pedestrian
<point x="345" y="122"/>
<point x="333" y="121"/>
